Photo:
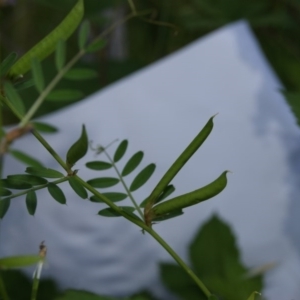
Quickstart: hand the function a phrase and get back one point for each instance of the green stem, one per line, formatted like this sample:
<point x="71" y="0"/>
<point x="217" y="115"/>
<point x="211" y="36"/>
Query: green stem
<point x="35" y="287"/>
<point x="125" y="186"/>
<point x="35" y="188"/>
<point x="3" y="291"/>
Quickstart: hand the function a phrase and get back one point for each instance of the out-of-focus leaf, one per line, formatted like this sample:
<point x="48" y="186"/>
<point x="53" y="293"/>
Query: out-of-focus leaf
<point x="81" y="74"/>
<point x="14" y="98"/>
<point x="4" y="206"/>
<point x="133" y="162"/>
<point x="95" y="45"/>
<point x="31" y="202"/>
<point x="98" y="165"/>
<point x="37" y="74"/>
<point x="31" y="179"/>
<point x="142" y="177"/>
<point x="24" y="84"/>
<point x="18" y="261"/>
<point x="25" y="158"/>
<point x="60" y="55"/>
<point x="4" y="192"/>
<point x="108" y="212"/>
<point x="48" y="44"/>
<point x="57" y="193"/>
<point x="78" y="149"/>
<point x="7" y="63"/>
<point x="114" y="197"/>
<point x="43" y="172"/>
<point x="83" y="34"/>
<point x="64" y="95"/>
<point x="103" y="182"/>
<point x="78" y="188"/>
<point x="120" y="150"/>
<point x="43" y="127"/>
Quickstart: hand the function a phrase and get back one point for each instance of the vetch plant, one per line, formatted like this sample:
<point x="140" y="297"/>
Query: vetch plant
<point x="157" y="207"/>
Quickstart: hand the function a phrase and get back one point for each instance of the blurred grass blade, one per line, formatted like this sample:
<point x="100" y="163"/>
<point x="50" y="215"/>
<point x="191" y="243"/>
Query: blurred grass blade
<point x="133" y="162"/>
<point x="108" y="212"/>
<point x="83" y="34"/>
<point x="7" y="63"/>
<point x="48" y="44"/>
<point x="142" y="177"/>
<point x="44" y="172"/>
<point x="60" y="55"/>
<point x="78" y="149"/>
<point x="64" y="95"/>
<point x="31" y="202"/>
<point x="98" y="165"/>
<point x="180" y="161"/>
<point x="81" y="74"/>
<point x="25" y="158"/>
<point x="18" y="261"/>
<point x="4" y="206"/>
<point x="103" y="182"/>
<point x="120" y="150"/>
<point x="57" y="193"/>
<point x="78" y="188"/>
<point x="44" y="127"/>
<point x="14" y="98"/>
<point x="95" y="45"/>
<point x="37" y="74"/>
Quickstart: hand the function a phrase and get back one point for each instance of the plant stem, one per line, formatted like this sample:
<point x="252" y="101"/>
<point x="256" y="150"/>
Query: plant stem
<point x="125" y="186"/>
<point x="35" y="287"/>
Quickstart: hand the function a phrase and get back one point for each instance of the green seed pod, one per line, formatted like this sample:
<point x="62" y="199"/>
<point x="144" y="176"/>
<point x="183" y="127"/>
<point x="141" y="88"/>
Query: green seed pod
<point x="78" y="149"/>
<point x="192" y="198"/>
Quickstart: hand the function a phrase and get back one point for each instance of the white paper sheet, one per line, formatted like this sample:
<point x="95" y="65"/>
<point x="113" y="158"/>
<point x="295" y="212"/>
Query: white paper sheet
<point x="159" y="110"/>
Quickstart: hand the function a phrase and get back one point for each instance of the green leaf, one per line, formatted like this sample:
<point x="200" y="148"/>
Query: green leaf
<point x="43" y="172"/>
<point x="83" y="35"/>
<point x="60" y="55"/>
<point x="37" y="74"/>
<point x="43" y="127"/>
<point x="31" y="179"/>
<point x="173" y="214"/>
<point x="133" y="162"/>
<point x="103" y="182"/>
<point x="109" y="212"/>
<point x="14" y="98"/>
<point x="64" y="95"/>
<point x="18" y="261"/>
<point x="4" y="206"/>
<point x="31" y="202"/>
<point x="166" y="193"/>
<point x="253" y="296"/>
<point x="4" y="192"/>
<point x="15" y="184"/>
<point x="181" y="161"/>
<point x="78" y="188"/>
<point x="25" y="158"/>
<point x="7" y="63"/>
<point x="142" y="177"/>
<point x="82" y="295"/>
<point x="78" y="149"/>
<point x="293" y="99"/>
<point x="192" y="198"/>
<point x="98" y="165"/>
<point x="114" y="197"/>
<point x="120" y="150"/>
<point x="81" y="74"/>
<point x="24" y="84"/>
<point x="95" y="45"/>
<point x="56" y="193"/>
<point x="48" y="44"/>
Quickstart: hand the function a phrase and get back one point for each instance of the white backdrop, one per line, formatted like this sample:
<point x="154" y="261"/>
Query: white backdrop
<point x="160" y="109"/>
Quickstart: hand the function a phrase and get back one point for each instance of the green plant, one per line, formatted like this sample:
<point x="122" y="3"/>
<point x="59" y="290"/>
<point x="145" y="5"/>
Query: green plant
<point x="156" y="206"/>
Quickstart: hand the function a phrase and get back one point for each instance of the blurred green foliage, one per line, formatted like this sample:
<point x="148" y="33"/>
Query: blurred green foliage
<point x="275" y="23"/>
